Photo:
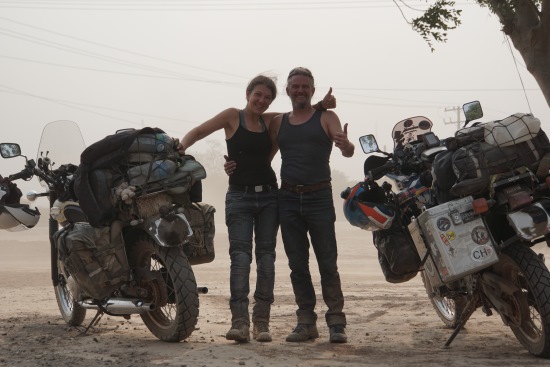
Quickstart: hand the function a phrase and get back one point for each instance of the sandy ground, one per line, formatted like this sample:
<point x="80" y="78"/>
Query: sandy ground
<point x="389" y="324"/>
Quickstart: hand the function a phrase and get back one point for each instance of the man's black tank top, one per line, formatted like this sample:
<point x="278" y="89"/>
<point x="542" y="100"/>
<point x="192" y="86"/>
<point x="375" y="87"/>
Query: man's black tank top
<point x="305" y="151"/>
<point x="250" y="150"/>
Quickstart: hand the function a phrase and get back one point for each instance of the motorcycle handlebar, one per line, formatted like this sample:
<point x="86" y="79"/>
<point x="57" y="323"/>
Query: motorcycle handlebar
<point x="376" y="173"/>
<point x="24" y="174"/>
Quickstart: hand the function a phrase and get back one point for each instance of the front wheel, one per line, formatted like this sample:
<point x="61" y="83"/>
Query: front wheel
<point x="448" y="309"/>
<point x="71" y="311"/>
<point x="521" y="266"/>
<point x="172" y="288"/>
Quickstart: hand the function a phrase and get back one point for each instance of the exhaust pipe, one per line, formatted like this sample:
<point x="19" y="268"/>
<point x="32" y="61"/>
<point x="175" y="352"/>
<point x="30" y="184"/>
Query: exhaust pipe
<point x="122" y="306"/>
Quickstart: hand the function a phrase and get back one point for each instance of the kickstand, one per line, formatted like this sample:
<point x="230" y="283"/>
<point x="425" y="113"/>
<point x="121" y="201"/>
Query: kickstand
<point x="462" y="321"/>
<point x="94" y="321"/>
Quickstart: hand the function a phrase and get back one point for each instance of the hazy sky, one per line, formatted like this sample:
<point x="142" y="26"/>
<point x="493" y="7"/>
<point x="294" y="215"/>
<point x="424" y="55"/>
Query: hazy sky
<point x="173" y="64"/>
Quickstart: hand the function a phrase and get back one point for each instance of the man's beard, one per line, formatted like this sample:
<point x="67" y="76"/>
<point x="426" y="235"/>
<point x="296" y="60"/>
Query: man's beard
<point x="300" y="105"/>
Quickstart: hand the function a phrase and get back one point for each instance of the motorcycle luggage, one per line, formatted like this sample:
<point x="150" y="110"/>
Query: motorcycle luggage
<point x="455" y="239"/>
<point x="200" y="247"/>
<point x="101" y="182"/>
<point x="92" y="185"/>
<point x="145" y="147"/>
<point x="182" y="180"/>
<point x="397" y="255"/>
<point x="151" y="172"/>
<point x="512" y="130"/>
<point x="443" y="176"/>
<point x="474" y="164"/>
<point x="94" y="257"/>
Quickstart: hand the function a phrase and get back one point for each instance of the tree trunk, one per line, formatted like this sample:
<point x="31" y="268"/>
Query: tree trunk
<point x="529" y="30"/>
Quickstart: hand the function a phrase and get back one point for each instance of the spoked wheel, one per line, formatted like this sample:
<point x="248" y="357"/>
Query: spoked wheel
<point x="531" y="311"/>
<point x="172" y="288"/>
<point x="448" y="309"/>
<point x="72" y="312"/>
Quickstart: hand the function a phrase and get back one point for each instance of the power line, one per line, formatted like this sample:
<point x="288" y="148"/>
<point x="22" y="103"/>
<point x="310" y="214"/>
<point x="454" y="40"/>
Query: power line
<point x="119" y="49"/>
<point x="200" y="5"/>
<point x="519" y="75"/>
<point x="66" y="104"/>
<point x="217" y="82"/>
<point x="93" y="55"/>
<point x="16" y="91"/>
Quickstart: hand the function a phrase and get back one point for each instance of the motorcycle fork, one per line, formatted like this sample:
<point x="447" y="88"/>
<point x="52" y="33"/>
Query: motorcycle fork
<point x="53" y="226"/>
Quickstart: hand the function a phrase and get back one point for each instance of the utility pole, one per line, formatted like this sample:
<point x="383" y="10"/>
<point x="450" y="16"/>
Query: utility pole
<point x="457" y="122"/>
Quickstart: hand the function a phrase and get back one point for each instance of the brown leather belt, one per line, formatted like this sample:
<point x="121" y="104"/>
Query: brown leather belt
<point x="257" y="188"/>
<point x="301" y="189"/>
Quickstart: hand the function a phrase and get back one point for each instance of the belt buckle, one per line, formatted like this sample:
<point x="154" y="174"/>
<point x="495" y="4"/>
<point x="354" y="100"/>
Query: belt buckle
<point x="258" y="188"/>
<point x="299" y="189"/>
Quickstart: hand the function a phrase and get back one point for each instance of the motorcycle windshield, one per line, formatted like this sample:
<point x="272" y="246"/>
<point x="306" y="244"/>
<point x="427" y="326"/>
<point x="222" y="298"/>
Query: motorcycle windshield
<point x="408" y="130"/>
<point x="62" y="143"/>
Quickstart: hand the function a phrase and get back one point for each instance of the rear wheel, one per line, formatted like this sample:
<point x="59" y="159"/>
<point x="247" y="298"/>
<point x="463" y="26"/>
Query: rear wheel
<point x="531" y="318"/>
<point x="172" y="288"/>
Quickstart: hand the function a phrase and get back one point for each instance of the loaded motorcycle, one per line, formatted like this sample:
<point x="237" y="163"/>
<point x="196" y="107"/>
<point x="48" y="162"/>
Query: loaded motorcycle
<point x="125" y="225"/>
<point x="465" y="213"/>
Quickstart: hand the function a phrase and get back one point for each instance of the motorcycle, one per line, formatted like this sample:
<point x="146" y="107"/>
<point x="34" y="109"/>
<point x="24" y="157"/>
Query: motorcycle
<point x="139" y="260"/>
<point x="464" y="212"/>
<point x="14" y="216"/>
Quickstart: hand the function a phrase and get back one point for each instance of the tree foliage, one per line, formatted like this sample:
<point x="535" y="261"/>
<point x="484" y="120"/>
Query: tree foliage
<point x="436" y="21"/>
<point x="525" y="22"/>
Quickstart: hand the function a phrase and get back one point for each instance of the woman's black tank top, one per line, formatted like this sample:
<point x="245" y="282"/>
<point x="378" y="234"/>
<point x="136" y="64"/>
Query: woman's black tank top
<point x="250" y="150"/>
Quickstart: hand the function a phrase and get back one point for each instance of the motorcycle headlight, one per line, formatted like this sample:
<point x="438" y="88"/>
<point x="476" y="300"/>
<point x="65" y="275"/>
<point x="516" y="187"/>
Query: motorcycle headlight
<point x="172" y="230"/>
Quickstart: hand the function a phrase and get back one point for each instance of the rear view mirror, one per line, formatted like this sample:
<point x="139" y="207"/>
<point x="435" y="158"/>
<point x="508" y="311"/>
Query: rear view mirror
<point x="368" y="143"/>
<point x="472" y="111"/>
<point x="10" y="150"/>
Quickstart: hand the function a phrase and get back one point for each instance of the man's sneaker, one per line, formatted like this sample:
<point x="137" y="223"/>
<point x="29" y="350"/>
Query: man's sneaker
<point x="261" y="332"/>
<point x="239" y="332"/>
<point x="303" y="332"/>
<point x="338" y="334"/>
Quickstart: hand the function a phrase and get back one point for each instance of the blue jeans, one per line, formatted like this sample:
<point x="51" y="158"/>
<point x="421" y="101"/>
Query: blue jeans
<point x="251" y="215"/>
<point x="312" y="213"/>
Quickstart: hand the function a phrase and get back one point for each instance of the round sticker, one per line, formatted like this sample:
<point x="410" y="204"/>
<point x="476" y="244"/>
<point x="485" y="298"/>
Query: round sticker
<point x="480" y="235"/>
<point x="424" y="125"/>
<point x="443" y="224"/>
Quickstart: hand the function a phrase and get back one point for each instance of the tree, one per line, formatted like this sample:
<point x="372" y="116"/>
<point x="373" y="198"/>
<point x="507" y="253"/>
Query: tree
<point x="525" y="22"/>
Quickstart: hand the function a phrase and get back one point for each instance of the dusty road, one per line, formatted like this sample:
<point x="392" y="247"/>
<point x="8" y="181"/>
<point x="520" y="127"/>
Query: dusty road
<point x="389" y="324"/>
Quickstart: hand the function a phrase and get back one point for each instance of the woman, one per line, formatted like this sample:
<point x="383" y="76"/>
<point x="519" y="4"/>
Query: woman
<point x="251" y="209"/>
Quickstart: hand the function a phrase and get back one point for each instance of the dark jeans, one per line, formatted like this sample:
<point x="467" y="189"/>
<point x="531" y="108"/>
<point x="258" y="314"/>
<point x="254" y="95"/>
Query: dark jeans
<point x="312" y="213"/>
<point x="251" y="215"/>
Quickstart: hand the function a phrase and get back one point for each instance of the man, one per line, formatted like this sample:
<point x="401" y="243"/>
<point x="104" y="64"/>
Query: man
<point x="305" y="137"/>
